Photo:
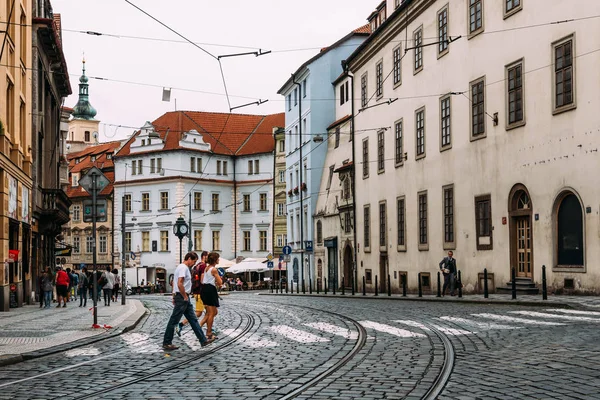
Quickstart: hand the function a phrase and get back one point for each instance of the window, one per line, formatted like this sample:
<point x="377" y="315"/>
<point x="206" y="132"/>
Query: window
<point x="483" y="217"/>
<point x="280" y="209"/>
<point x="398" y="145"/>
<point x="133" y="167"/>
<point x="282" y="146"/>
<point x="445" y="130"/>
<point x="218" y="167"/>
<point x="145" y="201"/>
<point x="193" y="164"/>
<point x="346" y="189"/>
<point x="127" y="243"/>
<point x="215" y="202"/>
<point x="127" y="203"/>
<point x="304" y="88"/>
<point x="250" y="167"/>
<point x="262" y="236"/>
<point x="263" y="202"/>
<point x="75" y="180"/>
<point x="199" y="165"/>
<point x="256" y="167"/>
<point x="76" y="245"/>
<point x="365" y="152"/>
<point x="379" y="79"/>
<point x="564" y="77"/>
<point x="246" y="245"/>
<point x="475" y="17"/>
<point x="363" y="90"/>
<point x="367" y="228"/>
<point x="382" y="225"/>
<point x="102" y="244"/>
<point x="224" y="167"/>
<point x="380" y="151"/>
<point x="423" y="221"/>
<point x="514" y="98"/>
<point x="86" y="136"/>
<point x="331" y="169"/>
<point x="152" y="166"/>
<point x="197" y="200"/>
<point x="139" y="167"/>
<point x="342" y="96"/>
<point x="146" y="241"/>
<point x="397" y="66"/>
<point x="401" y="222"/>
<point x="292" y="227"/>
<point x="420" y="133"/>
<point x="282" y="176"/>
<point x="164" y="200"/>
<point x="319" y="232"/>
<point x="76" y="213"/>
<point x="337" y="137"/>
<point x="442" y="25"/>
<point x="10" y="97"/>
<point x="89" y="243"/>
<point x="347" y="222"/>
<point x="280" y="240"/>
<point x="296" y="96"/>
<point x="198" y="240"/>
<point x="164" y="240"/>
<point x="570" y="232"/>
<point x="216" y="240"/>
<point x="289" y="102"/>
<point x="246" y="202"/>
<point x="448" y="192"/>
<point x="159" y="165"/>
<point x="418" y="43"/>
<point x="478" y="109"/>
<point x="511" y="7"/>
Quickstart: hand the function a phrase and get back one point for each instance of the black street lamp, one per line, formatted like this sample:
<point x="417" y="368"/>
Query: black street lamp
<point x="180" y="229"/>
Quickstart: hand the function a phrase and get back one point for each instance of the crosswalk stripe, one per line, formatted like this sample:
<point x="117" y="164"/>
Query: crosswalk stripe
<point x="576" y="312"/>
<point x="297" y="335"/>
<point x="448" y="331"/>
<point x="333" y="329"/>
<point x="392" y="330"/>
<point x="548" y="315"/>
<point x="84" y="351"/>
<point x="254" y="342"/>
<point x="506" y="318"/>
<point x="481" y="325"/>
<point x="139" y="343"/>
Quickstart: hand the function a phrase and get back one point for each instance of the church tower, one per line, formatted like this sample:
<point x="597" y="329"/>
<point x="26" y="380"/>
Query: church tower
<point x="83" y="128"/>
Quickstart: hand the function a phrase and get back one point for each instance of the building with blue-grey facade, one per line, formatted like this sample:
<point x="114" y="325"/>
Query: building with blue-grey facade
<point x="309" y="110"/>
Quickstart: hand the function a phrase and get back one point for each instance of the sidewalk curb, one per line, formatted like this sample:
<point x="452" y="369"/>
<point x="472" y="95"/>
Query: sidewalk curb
<point x="463" y="300"/>
<point x="129" y="324"/>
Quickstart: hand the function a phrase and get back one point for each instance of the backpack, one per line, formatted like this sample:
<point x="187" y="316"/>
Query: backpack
<point x="196" y="273"/>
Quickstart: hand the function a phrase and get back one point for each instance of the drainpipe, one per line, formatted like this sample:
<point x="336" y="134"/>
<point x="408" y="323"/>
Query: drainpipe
<point x="300" y="183"/>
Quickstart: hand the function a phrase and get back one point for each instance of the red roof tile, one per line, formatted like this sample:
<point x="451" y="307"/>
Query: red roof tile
<point x="105" y="164"/>
<point x="363" y="29"/>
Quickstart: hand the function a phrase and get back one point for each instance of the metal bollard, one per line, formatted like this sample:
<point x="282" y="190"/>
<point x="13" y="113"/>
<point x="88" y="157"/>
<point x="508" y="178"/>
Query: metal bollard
<point x="352" y="284"/>
<point x="343" y="285"/>
<point x="271" y="286"/>
<point x="389" y="285"/>
<point x="318" y="286"/>
<point x="309" y="285"/>
<point x="303" y="287"/>
<point x="364" y="287"/>
<point x="334" y="285"/>
<point x="513" y="278"/>
<point x="326" y="286"/>
<point x="485" y="284"/>
<point x="376" y="287"/>
<point x="286" y="289"/>
<point x="404" y="283"/>
<point x="439" y="291"/>
<point x="544" y="286"/>
<point x="420" y="286"/>
<point x="459" y="283"/>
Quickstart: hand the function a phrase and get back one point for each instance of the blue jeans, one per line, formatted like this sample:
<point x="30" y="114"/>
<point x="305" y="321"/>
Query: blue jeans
<point x="183" y="308"/>
<point x="83" y="297"/>
<point x="448" y="281"/>
<point x="48" y="298"/>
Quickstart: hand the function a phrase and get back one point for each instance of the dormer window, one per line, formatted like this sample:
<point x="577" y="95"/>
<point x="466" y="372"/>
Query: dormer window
<point x="143" y="142"/>
<point x="149" y="141"/>
<point x="93" y="158"/>
<point x="109" y="156"/>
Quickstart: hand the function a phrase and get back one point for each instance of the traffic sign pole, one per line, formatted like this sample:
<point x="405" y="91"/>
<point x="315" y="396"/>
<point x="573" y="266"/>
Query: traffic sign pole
<point x="123" y="275"/>
<point x="94" y="260"/>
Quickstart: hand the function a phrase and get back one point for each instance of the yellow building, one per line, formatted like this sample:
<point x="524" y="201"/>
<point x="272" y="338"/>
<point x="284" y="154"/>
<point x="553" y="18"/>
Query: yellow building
<point x="279" y="214"/>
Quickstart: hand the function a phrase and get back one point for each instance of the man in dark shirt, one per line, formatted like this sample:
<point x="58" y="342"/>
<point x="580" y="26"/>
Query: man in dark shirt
<point x="448" y="268"/>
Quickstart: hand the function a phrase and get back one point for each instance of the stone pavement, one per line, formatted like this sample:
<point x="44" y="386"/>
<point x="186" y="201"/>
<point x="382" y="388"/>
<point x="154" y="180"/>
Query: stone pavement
<point x="31" y="332"/>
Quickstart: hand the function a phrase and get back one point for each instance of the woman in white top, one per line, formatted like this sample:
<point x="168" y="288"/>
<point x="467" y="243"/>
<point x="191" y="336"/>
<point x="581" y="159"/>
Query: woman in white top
<point x="210" y="297"/>
<point x="108" y="286"/>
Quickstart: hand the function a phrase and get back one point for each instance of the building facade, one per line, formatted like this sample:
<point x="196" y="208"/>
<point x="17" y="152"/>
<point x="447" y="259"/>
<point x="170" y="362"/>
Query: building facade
<point x="279" y="199"/>
<point x="214" y="170"/>
<point x="307" y="117"/>
<point x="476" y="143"/>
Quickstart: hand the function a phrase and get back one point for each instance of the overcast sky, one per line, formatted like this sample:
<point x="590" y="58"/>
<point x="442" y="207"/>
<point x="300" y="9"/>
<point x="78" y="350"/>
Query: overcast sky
<point x="278" y="25"/>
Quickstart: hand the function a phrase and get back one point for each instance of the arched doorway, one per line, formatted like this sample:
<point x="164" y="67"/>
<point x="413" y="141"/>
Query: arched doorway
<point x="348" y="265"/>
<point x="520" y="209"/>
<point x="570" y="247"/>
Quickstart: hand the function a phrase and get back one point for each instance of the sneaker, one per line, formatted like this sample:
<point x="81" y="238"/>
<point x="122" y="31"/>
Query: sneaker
<point x="178" y="329"/>
<point x="208" y="341"/>
<point x="170" y="347"/>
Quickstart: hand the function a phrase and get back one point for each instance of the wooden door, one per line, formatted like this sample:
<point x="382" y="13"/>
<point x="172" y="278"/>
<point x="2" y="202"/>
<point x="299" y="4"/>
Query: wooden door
<point x="524" y="247"/>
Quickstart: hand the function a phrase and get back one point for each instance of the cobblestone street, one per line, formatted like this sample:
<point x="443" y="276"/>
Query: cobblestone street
<point x="276" y="347"/>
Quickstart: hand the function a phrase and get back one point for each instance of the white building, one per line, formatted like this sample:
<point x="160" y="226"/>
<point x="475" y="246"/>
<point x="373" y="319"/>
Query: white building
<point x="488" y="139"/>
<point x="218" y="167"/>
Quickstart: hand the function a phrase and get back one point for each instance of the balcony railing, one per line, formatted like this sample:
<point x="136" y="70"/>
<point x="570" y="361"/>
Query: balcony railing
<point x="55" y="205"/>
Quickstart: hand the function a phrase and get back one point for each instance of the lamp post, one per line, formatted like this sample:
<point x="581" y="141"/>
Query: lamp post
<point x="180" y="229"/>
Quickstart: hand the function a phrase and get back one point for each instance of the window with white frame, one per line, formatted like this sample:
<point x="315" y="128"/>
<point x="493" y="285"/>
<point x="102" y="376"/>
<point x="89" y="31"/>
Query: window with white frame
<point x="127" y="203"/>
<point x="164" y="200"/>
<point x="145" y="241"/>
<point x="197" y="200"/>
<point x="379" y="79"/>
<point x="564" y="74"/>
<point x="246" y="202"/>
<point x="397" y="65"/>
<point x="475" y="17"/>
<point x="478" y="108"/>
<point x="164" y="240"/>
<point x="514" y="96"/>
<point x="365" y="154"/>
<point x="216" y="240"/>
<point x="364" y="100"/>
<point x="224" y="167"/>
<point x="422" y="214"/>
<point x="420" y="132"/>
<point x="282" y="176"/>
<point x="76" y="244"/>
<point x="257" y="166"/>
<point x="215" y="202"/>
<point x="445" y="131"/>
<point x="280" y="209"/>
<point x="198" y="240"/>
<point x="102" y="244"/>
<point x="382" y="224"/>
<point x="262" y="237"/>
<point x="192" y="164"/>
<point x="399" y="143"/>
<point x="401" y="223"/>
<point x="250" y="167"/>
<point x="127" y="243"/>
<point x="145" y="202"/>
<point x="89" y="244"/>
<point x="442" y="26"/>
<point x="263" y="202"/>
<point x="76" y="213"/>
<point x="418" y="54"/>
<point x="246" y="241"/>
<point x="380" y="151"/>
<point x="367" y="228"/>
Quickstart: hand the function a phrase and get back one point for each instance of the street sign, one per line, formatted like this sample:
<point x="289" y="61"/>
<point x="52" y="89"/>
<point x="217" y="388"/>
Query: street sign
<point x="63" y="252"/>
<point x="308" y="245"/>
<point x="101" y="207"/>
<point x="270" y="265"/>
<point x="287" y="250"/>
<point x="287" y="258"/>
<point x="132" y="255"/>
<point x="101" y="180"/>
<point x="270" y="257"/>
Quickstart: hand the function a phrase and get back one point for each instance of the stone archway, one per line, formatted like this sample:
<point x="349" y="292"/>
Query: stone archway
<point x="520" y="210"/>
<point x="348" y="257"/>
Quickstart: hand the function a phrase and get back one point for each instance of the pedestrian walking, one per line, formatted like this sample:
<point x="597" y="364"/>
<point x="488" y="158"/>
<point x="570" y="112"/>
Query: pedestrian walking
<point x="448" y="268"/>
<point x="74" y="283"/>
<point x="40" y="283"/>
<point x="82" y="287"/>
<point x="108" y="278"/>
<point x="62" y="286"/>
<point x="196" y="272"/>
<point x="47" y="287"/>
<point x="117" y="285"/>
<point x="182" y="305"/>
<point x="210" y="297"/>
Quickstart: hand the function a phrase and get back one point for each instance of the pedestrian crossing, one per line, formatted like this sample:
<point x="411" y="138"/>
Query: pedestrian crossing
<point x="323" y="333"/>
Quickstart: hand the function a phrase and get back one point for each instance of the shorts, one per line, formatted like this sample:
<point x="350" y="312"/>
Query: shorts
<point x="199" y="303"/>
<point x="210" y="297"/>
<point x="61" y="290"/>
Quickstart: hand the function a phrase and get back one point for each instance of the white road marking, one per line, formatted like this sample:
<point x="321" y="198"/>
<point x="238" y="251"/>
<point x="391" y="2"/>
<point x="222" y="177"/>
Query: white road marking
<point x="255" y="343"/>
<point x="414" y="324"/>
<point x="576" y="312"/>
<point x="297" y="335"/>
<point x="83" y="351"/>
<point x="392" y="330"/>
<point x="448" y="331"/>
<point x="506" y="318"/>
<point x="481" y="325"/>
<point x="547" y="315"/>
<point x="333" y="329"/>
<point x="140" y="343"/>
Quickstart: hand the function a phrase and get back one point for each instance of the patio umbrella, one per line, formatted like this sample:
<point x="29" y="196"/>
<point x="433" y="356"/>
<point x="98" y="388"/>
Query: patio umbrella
<point x="225" y="263"/>
<point x="248" y="265"/>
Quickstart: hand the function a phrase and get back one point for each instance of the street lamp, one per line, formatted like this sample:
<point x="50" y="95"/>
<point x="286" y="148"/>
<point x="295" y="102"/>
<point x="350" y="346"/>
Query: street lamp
<point x="180" y="229"/>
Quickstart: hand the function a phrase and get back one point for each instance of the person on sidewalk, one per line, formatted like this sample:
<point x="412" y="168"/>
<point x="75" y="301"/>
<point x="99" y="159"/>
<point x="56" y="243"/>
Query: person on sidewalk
<point x="196" y="272"/>
<point x="109" y="278"/>
<point x="116" y="287"/>
<point x="62" y="286"/>
<point x="82" y="287"/>
<point x="210" y="297"/>
<point x="448" y="268"/>
<point x="47" y="287"/>
<point x="74" y="277"/>
<point x="182" y="287"/>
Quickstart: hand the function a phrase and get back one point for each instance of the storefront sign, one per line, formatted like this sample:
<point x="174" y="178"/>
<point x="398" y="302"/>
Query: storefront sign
<point x="13" y="255"/>
<point x="12" y="197"/>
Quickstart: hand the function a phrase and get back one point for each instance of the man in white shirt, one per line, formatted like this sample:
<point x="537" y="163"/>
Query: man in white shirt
<point x="182" y="288"/>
